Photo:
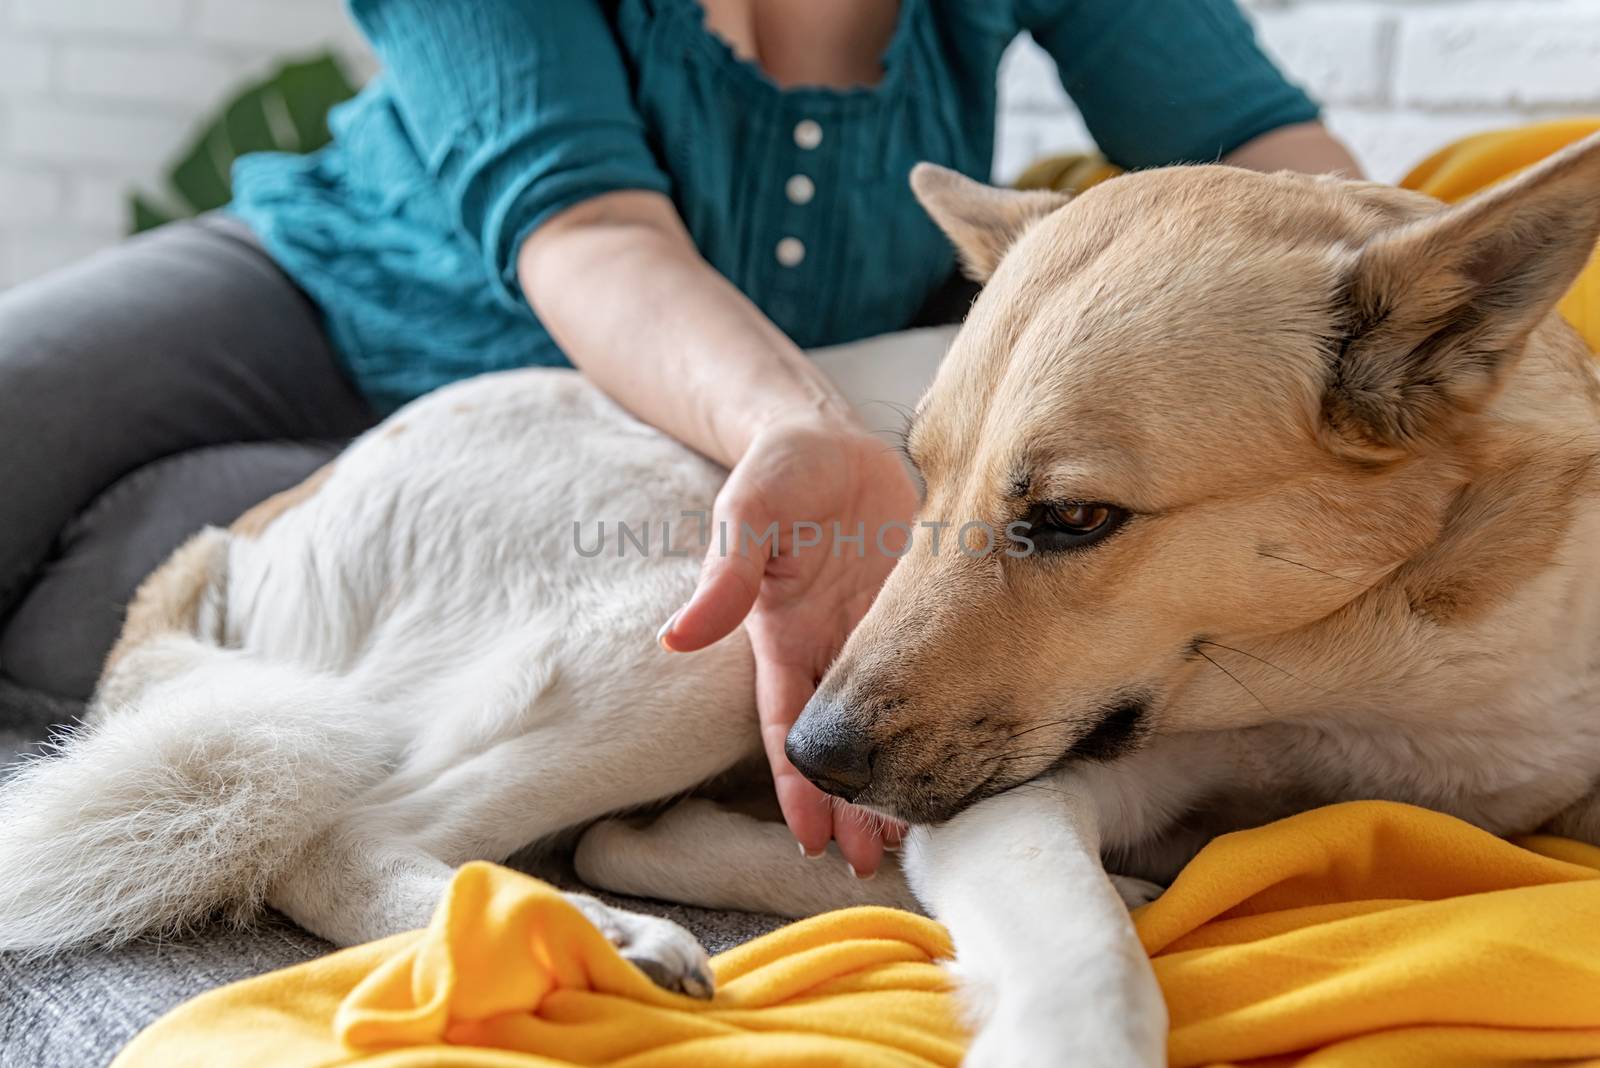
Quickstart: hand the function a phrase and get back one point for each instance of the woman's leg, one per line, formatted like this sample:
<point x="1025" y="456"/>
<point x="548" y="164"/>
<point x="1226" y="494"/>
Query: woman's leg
<point x="184" y="339"/>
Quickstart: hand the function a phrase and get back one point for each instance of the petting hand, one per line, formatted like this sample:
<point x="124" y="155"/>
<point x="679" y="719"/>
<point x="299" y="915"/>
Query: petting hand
<point x="803" y="593"/>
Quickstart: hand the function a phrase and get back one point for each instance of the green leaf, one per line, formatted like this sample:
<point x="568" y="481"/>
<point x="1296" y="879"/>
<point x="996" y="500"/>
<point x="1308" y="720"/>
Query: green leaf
<point x="286" y="113"/>
<point x="143" y="215"/>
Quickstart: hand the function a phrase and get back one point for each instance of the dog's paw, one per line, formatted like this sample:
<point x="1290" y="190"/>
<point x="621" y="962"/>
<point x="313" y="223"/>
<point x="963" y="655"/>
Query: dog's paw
<point x="665" y="952"/>
<point x="1136" y="892"/>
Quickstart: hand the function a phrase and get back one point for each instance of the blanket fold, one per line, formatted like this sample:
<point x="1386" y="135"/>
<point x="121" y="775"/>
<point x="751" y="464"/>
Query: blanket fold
<point x="1375" y="934"/>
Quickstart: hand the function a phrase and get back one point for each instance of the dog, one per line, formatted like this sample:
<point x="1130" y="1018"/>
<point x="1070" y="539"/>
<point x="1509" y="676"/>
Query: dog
<point x="1301" y="483"/>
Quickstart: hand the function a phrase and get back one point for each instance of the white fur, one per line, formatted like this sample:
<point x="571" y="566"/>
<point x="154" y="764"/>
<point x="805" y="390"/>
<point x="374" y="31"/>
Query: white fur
<point x="193" y="800"/>
<point x="1049" y="964"/>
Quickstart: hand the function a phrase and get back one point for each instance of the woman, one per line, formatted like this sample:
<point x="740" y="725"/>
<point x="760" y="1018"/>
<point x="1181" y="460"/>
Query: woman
<point x="674" y="197"/>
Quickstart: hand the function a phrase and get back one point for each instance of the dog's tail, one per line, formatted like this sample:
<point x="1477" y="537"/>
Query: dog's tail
<point x="188" y="797"/>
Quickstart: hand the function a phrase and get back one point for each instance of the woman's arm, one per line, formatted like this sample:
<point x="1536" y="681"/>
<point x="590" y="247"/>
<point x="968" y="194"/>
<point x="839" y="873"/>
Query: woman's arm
<point x="620" y="286"/>
<point x="1306" y="147"/>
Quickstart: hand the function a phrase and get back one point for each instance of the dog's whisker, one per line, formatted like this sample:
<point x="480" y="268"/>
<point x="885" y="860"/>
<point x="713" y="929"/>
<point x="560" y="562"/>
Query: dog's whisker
<point x="1330" y="574"/>
<point x="1038" y="727"/>
<point x="1253" y="695"/>
<point x="1003" y="759"/>
<point x="1267" y="663"/>
<point x="872" y="822"/>
<point x="904" y="411"/>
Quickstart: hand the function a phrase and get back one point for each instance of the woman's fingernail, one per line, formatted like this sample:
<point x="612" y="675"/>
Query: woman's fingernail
<point x="857" y="875"/>
<point x="666" y="628"/>
<point x="804" y="852"/>
<point x="891" y="847"/>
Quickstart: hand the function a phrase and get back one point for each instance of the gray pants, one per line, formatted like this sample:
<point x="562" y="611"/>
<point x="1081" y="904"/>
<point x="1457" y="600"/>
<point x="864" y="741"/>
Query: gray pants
<point x="158" y="387"/>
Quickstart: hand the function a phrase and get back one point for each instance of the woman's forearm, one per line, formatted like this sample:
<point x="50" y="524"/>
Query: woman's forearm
<point x="621" y="288"/>
<point x="1306" y="147"/>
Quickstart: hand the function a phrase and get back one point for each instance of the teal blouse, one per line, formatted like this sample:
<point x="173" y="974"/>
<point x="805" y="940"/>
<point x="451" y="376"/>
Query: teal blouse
<point x="493" y="115"/>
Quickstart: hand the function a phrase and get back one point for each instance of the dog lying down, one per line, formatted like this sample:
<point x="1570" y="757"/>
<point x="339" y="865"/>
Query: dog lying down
<point x="1308" y="473"/>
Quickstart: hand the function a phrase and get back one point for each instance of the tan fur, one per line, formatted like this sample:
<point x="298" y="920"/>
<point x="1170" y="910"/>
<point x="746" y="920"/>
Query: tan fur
<point x="171" y="601"/>
<point x="255" y="521"/>
<point x="1499" y="533"/>
<point x="168" y="601"/>
<point x="1360" y="453"/>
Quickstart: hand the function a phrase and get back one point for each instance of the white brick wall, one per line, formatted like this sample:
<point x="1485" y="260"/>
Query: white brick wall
<point x="97" y="95"/>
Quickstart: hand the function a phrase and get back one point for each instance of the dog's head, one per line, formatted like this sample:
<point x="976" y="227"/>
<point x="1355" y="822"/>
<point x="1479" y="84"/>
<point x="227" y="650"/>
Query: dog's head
<point x="1191" y="408"/>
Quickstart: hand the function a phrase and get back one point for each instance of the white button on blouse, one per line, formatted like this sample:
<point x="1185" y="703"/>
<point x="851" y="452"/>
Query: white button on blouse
<point x="807" y="133"/>
<point x="799" y="189"/>
<point x="791" y="251"/>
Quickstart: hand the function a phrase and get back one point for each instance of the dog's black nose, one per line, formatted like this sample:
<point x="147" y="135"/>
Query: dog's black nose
<point x="829" y="751"/>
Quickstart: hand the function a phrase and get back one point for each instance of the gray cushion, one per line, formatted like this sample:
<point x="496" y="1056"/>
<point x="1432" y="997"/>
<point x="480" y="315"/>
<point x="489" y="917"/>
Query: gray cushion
<point x="26" y="717"/>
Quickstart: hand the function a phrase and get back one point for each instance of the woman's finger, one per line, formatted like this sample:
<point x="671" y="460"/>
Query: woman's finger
<point x="806" y="809"/>
<point x="813" y="817"/>
<point x="781" y="692"/>
<point x="730" y="580"/>
<point x="860" y="840"/>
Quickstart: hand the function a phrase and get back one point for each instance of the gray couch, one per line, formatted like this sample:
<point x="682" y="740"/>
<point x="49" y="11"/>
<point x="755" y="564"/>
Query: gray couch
<point x="80" y="1008"/>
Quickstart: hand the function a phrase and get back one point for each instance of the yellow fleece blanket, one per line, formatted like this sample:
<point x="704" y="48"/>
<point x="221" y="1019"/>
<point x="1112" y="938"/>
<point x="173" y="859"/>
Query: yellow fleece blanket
<point x="1357" y="936"/>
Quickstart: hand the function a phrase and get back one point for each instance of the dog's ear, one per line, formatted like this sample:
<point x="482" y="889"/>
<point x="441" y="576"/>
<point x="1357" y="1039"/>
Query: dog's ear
<point x="1434" y="313"/>
<point x="980" y="220"/>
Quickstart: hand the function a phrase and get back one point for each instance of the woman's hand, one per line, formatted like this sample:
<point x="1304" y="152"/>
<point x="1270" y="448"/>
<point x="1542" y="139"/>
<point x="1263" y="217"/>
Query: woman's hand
<point x="802" y="590"/>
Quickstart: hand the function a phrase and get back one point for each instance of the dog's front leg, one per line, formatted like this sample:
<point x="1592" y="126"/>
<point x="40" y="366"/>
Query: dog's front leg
<point x="1046" y="955"/>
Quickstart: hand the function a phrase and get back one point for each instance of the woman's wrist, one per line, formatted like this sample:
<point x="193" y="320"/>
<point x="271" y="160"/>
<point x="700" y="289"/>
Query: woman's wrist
<point x="623" y="290"/>
<point x="792" y="395"/>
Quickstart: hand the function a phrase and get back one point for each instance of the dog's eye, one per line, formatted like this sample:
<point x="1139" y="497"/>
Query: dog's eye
<point x="1063" y="525"/>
